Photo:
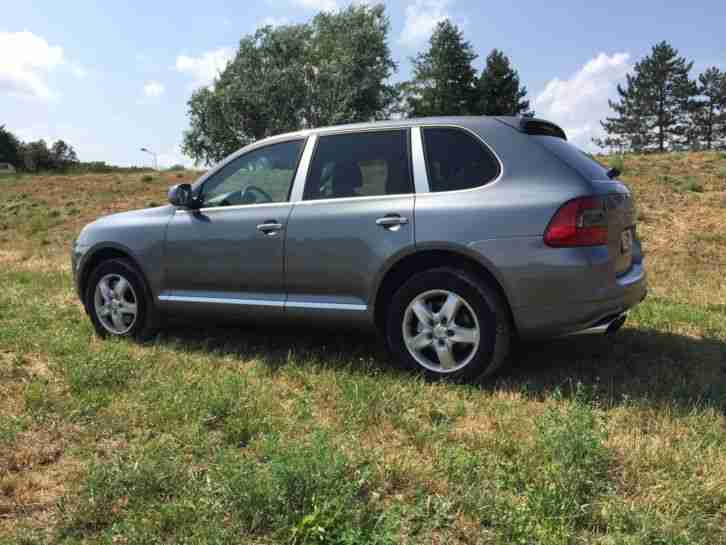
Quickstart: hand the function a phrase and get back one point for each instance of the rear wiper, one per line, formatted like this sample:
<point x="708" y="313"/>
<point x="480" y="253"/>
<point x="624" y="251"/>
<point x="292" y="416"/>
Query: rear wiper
<point x="613" y="173"/>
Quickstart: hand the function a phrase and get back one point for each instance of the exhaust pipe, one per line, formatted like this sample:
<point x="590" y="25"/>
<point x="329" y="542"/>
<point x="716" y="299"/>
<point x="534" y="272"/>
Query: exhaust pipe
<point x="607" y="326"/>
<point x="616" y="324"/>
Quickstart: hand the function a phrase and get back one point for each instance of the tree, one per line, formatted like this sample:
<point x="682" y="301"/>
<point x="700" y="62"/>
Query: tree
<point x="259" y="93"/>
<point x="498" y="88"/>
<point x="709" y="110"/>
<point x="62" y="155"/>
<point x="332" y="70"/>
<point x="10" y="148"/>
<point x="652" y="112"/>
<point x="36" y="156"/>
<point x="444" y="81"/>
<point x="349" y="62"/>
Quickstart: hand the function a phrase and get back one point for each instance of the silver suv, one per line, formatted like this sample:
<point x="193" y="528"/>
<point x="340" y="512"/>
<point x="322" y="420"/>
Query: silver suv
<point x="449" y="235"/>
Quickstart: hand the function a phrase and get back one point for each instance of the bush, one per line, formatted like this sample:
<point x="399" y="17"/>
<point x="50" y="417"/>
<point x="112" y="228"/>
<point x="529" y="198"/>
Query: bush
<point x="173" y="168"/>
<point x="147" y="178"/>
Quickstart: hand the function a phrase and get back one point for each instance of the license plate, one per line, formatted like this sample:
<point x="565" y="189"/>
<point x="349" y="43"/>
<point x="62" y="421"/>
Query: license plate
<point x="626" y="241"/>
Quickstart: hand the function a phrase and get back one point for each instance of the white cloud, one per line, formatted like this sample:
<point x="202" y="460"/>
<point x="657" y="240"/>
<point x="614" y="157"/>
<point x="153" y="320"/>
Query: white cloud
<point x="422" y="16"/>
<point x="25" y="61"/>
<point x="275" y="21"/>
<point x="580" y="102"/>
<point x="319" y="5"/>
<point x="153" y="89"/>
<point x="77" y="70"/>
<point x="206" y="68"/>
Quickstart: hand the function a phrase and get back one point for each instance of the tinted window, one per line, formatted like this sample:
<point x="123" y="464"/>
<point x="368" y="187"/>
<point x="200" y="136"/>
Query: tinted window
<point x="457" y="160"/>
<point x="260" y="176"/>
<point x="359" y="165"/>
<point x="573" y="156"/>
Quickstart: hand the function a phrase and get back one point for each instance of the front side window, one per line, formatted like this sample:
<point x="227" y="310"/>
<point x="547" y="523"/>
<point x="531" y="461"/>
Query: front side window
<point x="260" y="176"/>
<point x="457" y="160"/>
<point x="359" y="165"/>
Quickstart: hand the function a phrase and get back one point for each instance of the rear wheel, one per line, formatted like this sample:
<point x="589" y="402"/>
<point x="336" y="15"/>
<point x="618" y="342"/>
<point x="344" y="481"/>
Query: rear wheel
<point x="448" y="324"/>
<point x="117" y="301"/>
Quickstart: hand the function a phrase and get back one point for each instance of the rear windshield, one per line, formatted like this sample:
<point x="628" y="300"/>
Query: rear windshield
<point x="575" y="157"/>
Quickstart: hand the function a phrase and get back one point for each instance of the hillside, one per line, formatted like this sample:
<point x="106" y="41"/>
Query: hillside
<point x="227" y="435"/>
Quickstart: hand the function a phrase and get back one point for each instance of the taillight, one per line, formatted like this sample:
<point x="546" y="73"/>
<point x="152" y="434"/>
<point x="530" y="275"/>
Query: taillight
<point x="579" y="222"/>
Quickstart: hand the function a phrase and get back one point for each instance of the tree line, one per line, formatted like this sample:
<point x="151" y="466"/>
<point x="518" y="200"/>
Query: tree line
<point x="336" y="69"/>
<point x="661" y="108"/>
<point x="35" y="156"/>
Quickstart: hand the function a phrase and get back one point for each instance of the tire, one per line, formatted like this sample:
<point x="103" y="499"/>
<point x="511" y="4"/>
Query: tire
<point x="477" y="342"/>
<point x="111" y="313"/>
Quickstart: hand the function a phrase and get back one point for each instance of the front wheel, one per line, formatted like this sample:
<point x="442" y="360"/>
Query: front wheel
<point x="117" y="301"/>
<point x="448" y="324"/>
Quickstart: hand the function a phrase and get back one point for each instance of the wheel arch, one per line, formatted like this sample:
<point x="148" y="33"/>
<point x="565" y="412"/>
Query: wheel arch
<point x="428" y="258"/>
<point x="104" y="252"/>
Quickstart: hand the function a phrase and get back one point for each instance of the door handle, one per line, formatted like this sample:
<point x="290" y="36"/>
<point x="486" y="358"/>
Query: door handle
<point x="391" y="220"/>
<point x="270" y="227"/>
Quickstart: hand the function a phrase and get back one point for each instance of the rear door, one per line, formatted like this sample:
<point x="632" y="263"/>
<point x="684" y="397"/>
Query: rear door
<point x="355" y="214"/>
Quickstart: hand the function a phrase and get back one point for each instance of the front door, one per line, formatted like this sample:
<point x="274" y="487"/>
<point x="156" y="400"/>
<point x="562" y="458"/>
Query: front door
<point x="228" y="254"/>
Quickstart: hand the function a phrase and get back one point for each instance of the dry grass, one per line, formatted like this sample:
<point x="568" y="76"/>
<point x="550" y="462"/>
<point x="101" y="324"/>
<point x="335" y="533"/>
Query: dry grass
<point x="103" y="441"/>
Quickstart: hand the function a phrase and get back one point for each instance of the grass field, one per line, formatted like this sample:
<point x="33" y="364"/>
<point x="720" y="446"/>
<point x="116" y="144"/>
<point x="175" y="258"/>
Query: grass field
<point x="243" y="436"/>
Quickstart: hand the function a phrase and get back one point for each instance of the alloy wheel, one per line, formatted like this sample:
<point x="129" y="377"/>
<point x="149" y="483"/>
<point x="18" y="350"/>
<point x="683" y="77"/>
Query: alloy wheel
<point x="441" y="331"/>
<point x="116" y="304"/>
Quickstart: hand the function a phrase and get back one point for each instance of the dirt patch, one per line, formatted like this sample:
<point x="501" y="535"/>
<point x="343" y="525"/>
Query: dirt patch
<point x="34" y="474"/>
<point x="475" y="425"/>
<point x="30" y="260"/>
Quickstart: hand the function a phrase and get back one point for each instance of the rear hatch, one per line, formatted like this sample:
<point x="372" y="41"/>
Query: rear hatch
<point x="617" y="199"/>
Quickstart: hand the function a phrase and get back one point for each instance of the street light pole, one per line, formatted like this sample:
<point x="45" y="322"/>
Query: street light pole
<point x="156" y="164"/>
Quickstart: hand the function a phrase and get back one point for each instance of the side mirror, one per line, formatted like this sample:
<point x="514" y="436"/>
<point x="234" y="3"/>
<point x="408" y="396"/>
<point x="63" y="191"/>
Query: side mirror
<point x="181" y="195"/>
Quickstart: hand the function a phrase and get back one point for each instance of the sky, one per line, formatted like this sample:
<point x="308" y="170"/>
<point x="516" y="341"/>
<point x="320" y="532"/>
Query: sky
<point x="112" y="77"/>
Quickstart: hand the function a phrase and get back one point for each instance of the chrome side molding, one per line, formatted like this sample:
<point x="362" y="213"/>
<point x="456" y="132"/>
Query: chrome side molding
<point x="262" y="302"/>
<point x="221" y="300"/>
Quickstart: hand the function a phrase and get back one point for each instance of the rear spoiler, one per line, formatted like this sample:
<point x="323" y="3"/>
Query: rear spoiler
<point x="534" y="126"/>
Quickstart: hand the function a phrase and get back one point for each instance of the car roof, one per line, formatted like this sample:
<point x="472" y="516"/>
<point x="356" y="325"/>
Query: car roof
<point x="464" y="120"/>
<point x="490" y="122"/>
<point x="410" y="122"/>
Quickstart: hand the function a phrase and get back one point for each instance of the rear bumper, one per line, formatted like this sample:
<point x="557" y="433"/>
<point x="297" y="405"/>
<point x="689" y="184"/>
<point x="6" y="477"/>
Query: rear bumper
<point x="588" y="316"/>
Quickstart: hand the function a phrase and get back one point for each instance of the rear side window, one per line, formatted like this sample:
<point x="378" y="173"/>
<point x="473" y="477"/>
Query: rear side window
<point x="574" y="157"/>
<point x="457" y="160"/>
<point x="362" y="164"/>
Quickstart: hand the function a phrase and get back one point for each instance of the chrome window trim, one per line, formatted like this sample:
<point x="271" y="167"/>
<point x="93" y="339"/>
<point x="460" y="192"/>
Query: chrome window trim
<point x="362" y="198"/>
<point x="214" y="169"/>
<point x="330" y="131"/>
<point x="262" y="302"/>
<point x="335" y="131"/>
<point x="298" y="184"/>
<point x="230" y="208"/>
<point x="418" y="160"/>
<point x="480" y="139"/>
